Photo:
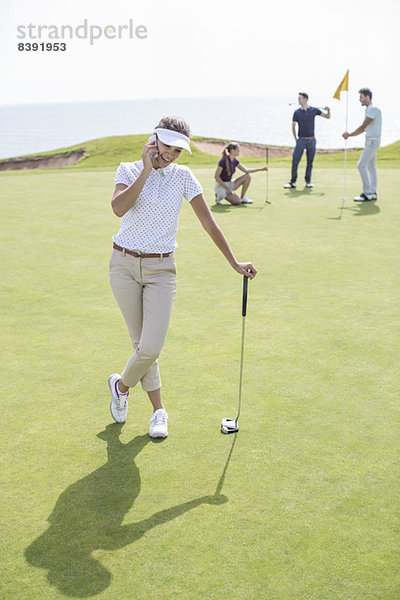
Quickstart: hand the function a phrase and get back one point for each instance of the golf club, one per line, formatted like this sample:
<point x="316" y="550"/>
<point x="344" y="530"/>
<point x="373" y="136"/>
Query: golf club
<point x="266" y="175"/>
<point x="231" y="425"/>
<point x="296" y="104"/>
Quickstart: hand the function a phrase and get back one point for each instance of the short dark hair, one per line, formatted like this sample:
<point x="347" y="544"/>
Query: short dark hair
<point x="366" y="92"/>
<point x="304" y="95"/>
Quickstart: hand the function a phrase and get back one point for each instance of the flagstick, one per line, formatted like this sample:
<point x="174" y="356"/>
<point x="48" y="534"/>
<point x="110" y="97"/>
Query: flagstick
<point x="345" y="148"/>
<point x="266" y="175"/>
<point x="344" y="175"/>
<point x="345" y="142"/>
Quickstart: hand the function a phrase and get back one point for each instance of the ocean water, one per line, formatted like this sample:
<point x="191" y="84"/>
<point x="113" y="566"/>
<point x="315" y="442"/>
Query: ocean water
<point x="26" y="129"/>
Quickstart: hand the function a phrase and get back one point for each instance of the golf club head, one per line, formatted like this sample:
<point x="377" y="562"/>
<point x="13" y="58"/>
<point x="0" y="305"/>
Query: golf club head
<point x="229" y="426"/>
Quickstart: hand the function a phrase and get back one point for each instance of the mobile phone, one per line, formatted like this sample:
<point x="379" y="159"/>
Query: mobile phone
<point x="153" y="140"/>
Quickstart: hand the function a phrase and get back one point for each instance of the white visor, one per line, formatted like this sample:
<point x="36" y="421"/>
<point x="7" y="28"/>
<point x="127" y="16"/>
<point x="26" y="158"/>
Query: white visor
<point x="173" y="138"/>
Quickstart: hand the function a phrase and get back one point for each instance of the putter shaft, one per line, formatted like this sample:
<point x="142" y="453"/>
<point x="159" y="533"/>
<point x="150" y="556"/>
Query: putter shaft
<point x="241" y="369"/>
<point x="244" y="311"/>
<point x="230" y="425"/>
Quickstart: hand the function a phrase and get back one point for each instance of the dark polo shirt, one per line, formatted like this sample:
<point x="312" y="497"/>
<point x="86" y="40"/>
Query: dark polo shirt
<point x="225" y="175"/>
<point x="305" y="119"/>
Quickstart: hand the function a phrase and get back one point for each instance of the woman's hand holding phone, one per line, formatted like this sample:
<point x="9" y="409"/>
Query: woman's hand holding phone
<point x="150" y="152"/>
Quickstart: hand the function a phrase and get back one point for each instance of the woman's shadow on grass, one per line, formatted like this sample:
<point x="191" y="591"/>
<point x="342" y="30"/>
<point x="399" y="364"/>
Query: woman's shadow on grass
<point x="88" y="516"/>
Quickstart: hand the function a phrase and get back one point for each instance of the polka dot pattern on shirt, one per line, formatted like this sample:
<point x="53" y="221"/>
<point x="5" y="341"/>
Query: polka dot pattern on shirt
<point x="151" y="224"/>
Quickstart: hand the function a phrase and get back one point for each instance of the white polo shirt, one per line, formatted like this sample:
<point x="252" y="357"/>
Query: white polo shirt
<point x="151" y="224"/>
<point x="374" y="129"/>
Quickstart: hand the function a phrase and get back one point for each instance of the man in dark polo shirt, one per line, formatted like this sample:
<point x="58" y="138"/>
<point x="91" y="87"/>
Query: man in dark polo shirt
<point x="304" y="118"/>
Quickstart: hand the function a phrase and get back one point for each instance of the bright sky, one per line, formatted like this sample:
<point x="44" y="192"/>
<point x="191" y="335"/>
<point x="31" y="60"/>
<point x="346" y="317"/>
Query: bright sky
<point x="202" y="48"/>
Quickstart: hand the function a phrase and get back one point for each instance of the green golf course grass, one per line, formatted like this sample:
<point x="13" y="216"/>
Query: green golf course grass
<point x="303" y="503"/>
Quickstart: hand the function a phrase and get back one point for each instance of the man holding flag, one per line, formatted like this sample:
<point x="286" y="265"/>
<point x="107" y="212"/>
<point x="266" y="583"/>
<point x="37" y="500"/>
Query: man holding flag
<point x="372" y="125"/>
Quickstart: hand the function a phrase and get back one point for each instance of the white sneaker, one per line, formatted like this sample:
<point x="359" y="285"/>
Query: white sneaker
<point x="246" y="200"/>
<point x="119" y="401"/>
<point x="158" y="424"/>
<point x="309" y="185"/>
<point x="289" y="186"/>
<point x="363" y="198"/>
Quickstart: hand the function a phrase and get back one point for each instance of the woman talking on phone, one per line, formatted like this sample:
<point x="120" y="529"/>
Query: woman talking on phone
<point x="148" y="197"/>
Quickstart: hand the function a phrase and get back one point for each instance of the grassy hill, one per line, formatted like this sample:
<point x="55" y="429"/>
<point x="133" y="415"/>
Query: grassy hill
<point x="109" y="151"/>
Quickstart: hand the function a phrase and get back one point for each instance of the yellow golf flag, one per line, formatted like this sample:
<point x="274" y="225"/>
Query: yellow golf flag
<point x="343" y="86"/>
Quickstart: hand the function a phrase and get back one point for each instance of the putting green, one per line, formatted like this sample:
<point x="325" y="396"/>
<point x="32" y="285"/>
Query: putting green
<point x="300" y="505"/>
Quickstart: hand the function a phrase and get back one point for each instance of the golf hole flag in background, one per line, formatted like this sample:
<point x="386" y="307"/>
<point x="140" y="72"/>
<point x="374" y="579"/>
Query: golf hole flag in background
<point x="343" y="86"/>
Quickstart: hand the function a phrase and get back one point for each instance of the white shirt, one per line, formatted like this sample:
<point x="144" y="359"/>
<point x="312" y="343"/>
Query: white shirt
<point x="373" y="129"/>
<point x="151" y="224"/>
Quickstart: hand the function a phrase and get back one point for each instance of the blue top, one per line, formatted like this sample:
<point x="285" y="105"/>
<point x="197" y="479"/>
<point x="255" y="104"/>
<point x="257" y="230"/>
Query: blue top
<point x="305" y="119"/>
<point x="225" y="175"/>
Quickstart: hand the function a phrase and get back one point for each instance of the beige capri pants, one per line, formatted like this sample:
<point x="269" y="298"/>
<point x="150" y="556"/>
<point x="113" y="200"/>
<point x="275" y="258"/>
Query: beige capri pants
<point x="145" y="291"/>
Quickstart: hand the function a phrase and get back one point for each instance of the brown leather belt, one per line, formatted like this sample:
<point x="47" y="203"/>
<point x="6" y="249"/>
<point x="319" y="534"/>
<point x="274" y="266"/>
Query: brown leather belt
<point x="140" y="254"/>
<point x="307" y="138"/>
